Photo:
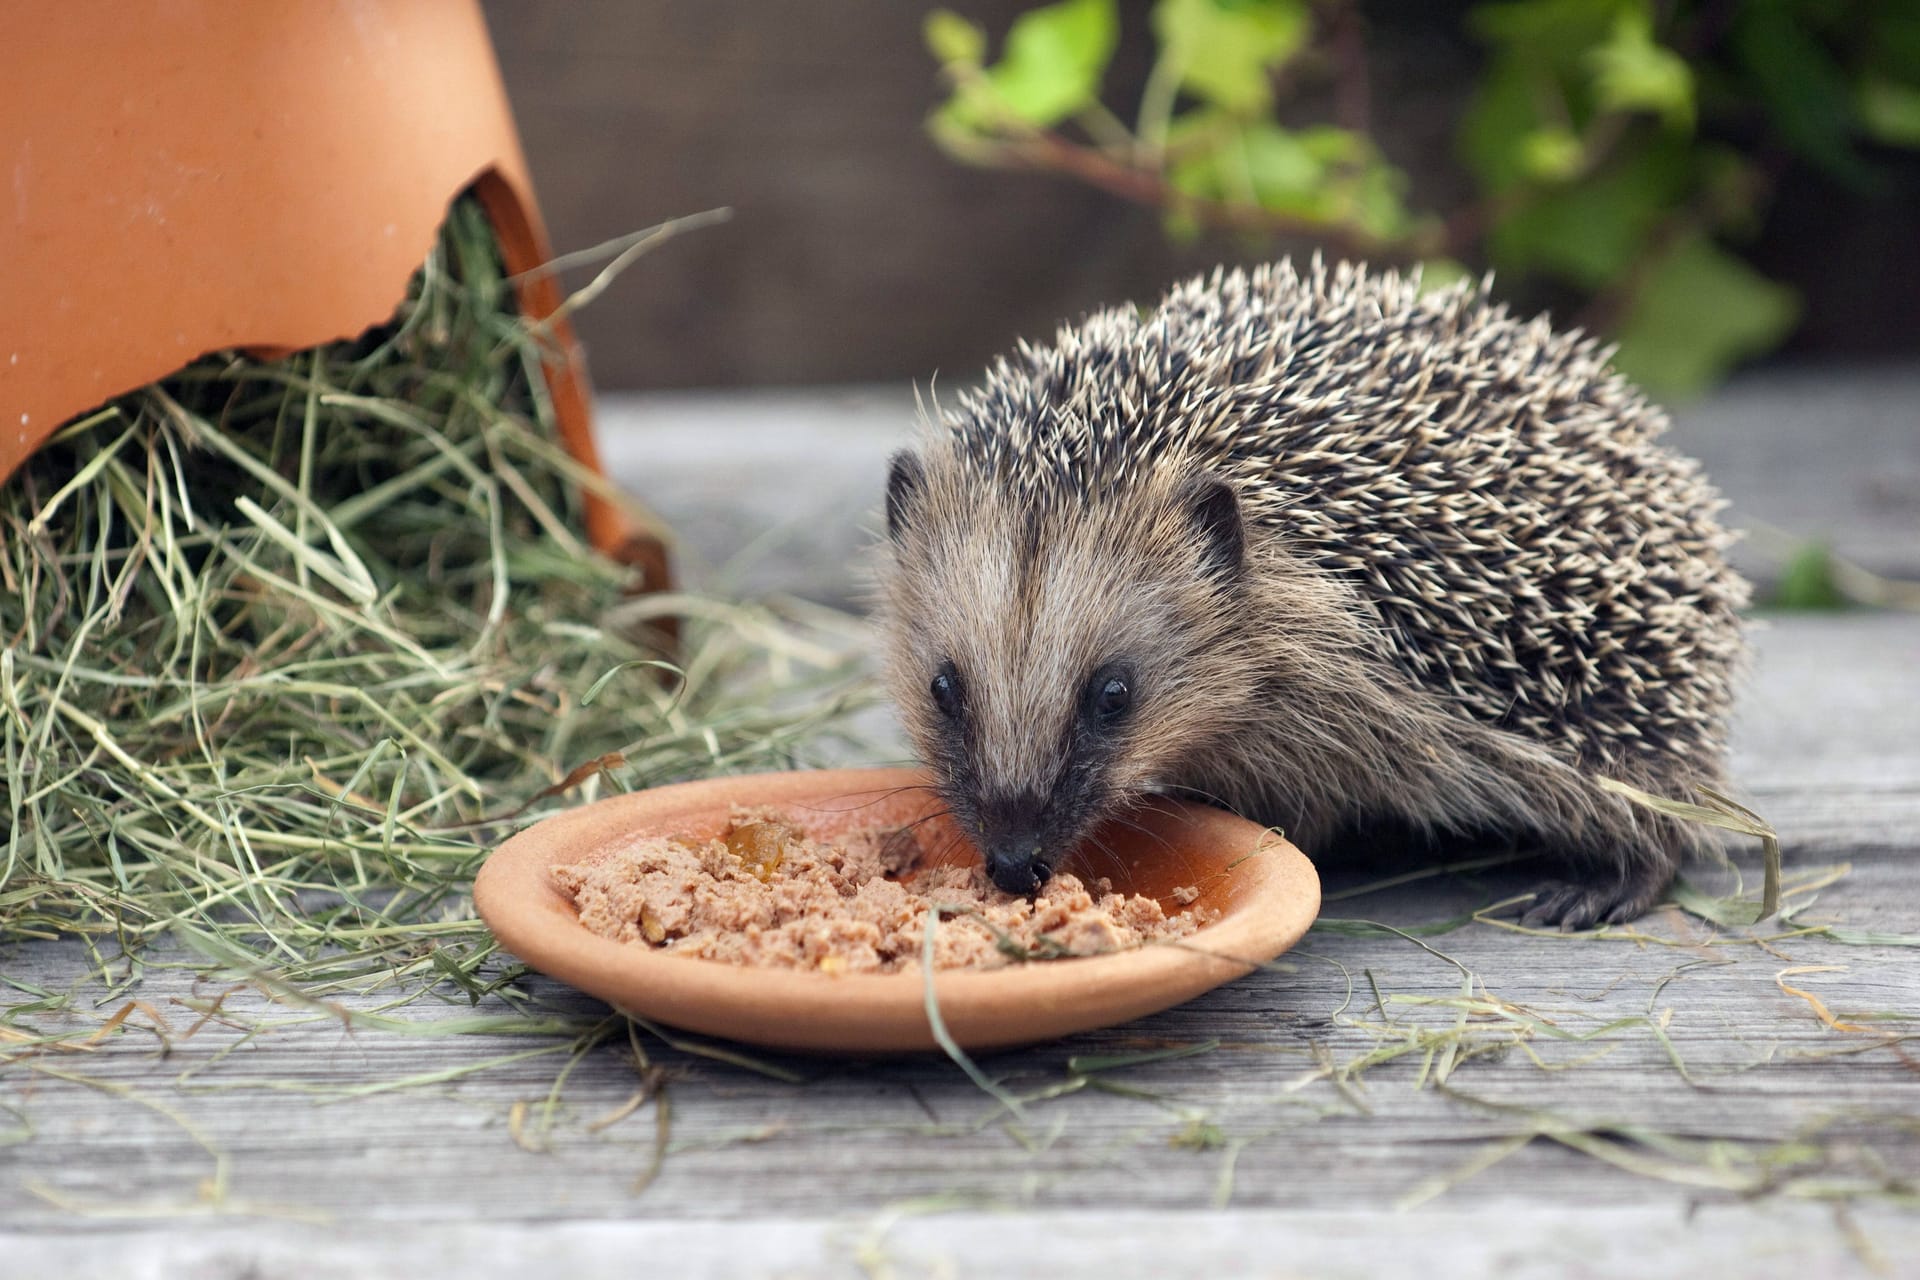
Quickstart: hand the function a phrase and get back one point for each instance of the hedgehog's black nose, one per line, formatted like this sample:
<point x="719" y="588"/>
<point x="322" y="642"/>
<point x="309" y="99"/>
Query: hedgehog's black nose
<point x="1010" y="827"/>
<point x="1017" y="868"/>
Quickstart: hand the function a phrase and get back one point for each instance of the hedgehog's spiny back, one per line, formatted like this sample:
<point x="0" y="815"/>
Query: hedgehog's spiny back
<point x="1486" y="484"/>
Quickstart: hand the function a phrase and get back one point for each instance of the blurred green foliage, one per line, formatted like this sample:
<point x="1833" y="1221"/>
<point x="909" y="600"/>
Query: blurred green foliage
<point x="1807" y="582"/>
<point x="1618" y="148"/>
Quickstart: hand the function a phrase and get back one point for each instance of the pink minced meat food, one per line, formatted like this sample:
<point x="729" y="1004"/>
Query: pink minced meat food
<point x="765" y="894"/>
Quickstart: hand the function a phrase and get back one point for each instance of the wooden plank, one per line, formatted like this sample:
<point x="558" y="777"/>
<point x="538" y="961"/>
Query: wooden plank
<point x="1825" y="741"/>
<point x="130" y="1130"/>
<point x="1816" y="452"/>
<point x="1516" y="1242"/>
<point x="860" y="1136"/>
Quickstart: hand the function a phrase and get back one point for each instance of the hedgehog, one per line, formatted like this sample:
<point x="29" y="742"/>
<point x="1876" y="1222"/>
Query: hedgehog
<point x="1373" y="564"/>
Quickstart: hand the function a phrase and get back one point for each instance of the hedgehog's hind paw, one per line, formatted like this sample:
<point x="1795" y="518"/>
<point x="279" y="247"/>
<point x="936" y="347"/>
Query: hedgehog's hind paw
<point x="1606" y="897"/>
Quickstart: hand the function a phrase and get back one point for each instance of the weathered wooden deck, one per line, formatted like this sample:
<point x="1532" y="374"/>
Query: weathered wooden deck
<point x="1677" y="1099"/>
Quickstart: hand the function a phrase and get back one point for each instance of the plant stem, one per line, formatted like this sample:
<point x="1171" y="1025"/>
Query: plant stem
<point x="1156" y="110"/>
<point x="1049" y="152"/>
<point x="1353" y="95"/>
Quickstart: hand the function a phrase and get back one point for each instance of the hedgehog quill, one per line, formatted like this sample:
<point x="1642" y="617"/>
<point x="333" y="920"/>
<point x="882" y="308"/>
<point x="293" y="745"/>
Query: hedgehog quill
<point x="1354" y="560"/>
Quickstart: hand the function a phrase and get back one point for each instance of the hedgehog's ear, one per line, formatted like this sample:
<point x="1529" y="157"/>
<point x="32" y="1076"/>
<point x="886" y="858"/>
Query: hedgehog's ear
<point x="906" y="477"/>
<point x="1210" y="503"/>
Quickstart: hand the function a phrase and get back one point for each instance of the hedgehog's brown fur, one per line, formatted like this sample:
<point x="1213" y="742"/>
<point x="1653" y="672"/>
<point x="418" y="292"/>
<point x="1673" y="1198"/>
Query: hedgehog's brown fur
<point x="1450" y="581"/>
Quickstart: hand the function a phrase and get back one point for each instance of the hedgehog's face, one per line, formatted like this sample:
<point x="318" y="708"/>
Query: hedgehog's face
<point x="1054" y="665"/>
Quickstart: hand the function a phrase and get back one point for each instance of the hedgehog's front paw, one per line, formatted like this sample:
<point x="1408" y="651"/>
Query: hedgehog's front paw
<point x="1604" y="897"/>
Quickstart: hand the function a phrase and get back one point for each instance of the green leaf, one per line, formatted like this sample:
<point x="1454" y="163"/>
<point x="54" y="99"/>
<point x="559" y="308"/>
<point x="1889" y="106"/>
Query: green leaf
<point x="1441" y="273"/>
<point x="952" y="39"/>
<point x="1802" y="88"/>
<point x="1050" y="69"/>
<point x="1323" y="175"/>
<point x="1701" y="311"/>
<point x="1806" y="582"/>
<point x="1540" y="86"/>
<point x="1054" y="60"/>
<point x="1182" y="228"/>
<point x="1254" y="163"/>
<point x="1592" y="231"/>
<point x="1375" y="197"/>
<point x="1893" y="39"/>
<point x="1499" y="119"/>
<point x="1227" y="50"/>
<point x="1730" y="190"/>
<point x="1632" y="73"/>
<point x="1890" y="111"/>
<point x="1285" y="172"/>
<point x="1552" y="155"/>
<point x="1545" y="28"/>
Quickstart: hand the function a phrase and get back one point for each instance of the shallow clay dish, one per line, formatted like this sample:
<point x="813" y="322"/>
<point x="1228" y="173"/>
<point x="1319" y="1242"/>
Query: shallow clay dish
<point x="1264" y="889"/>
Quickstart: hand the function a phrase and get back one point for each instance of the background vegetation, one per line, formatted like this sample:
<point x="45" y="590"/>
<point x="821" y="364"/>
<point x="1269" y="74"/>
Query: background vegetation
<point x="1619" y="151"/>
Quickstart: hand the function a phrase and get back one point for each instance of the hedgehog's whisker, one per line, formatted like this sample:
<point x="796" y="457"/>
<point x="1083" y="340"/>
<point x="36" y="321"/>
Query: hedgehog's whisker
<point x="1183" y="790"/>
<point x="1124" y="819"/>
<point x="1173" y="850"/>
<point x="1119" y="875"/>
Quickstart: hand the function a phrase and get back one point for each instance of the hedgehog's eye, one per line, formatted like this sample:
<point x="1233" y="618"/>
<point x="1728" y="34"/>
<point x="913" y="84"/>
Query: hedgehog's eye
<point x="1109" y="696"/>
<point x="946" y="691"/>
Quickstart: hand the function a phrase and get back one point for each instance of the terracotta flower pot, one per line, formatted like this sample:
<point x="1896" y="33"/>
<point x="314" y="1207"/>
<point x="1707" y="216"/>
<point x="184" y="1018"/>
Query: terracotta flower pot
<point x="211" y="174"/>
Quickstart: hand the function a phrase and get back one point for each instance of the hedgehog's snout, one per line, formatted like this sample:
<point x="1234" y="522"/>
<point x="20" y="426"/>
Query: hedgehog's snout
<point x="1012" y="831"/>
<point x="1018" y="868"/>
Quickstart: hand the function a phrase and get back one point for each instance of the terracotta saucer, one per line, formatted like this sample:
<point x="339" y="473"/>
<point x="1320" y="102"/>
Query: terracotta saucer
<point x="1264" y="889"/>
